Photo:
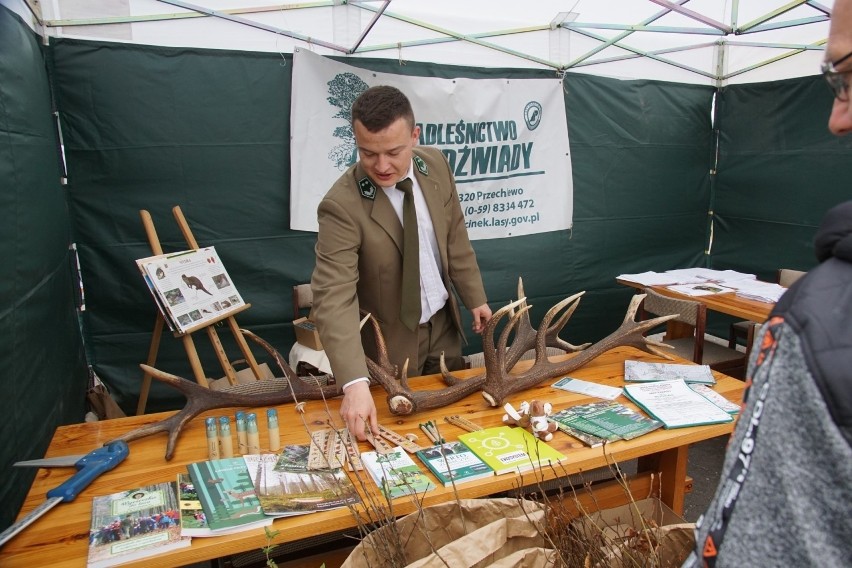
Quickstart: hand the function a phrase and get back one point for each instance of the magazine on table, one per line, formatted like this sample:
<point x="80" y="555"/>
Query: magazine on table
<point x="508" y="449"/>
<point x="284" y="493"/>
<point x="135" y="524"/>
<point x="584" y="437"/>
<point x="675" y="404"/>
<point x="193" y="521"/>
<point x="453" y="462"/>
<point x="294" y="458"/>
<point x="227" y="496"/>
<point x="571" y="422"/>
<point x="622" y="422"/>
<point x="395" y="473"/>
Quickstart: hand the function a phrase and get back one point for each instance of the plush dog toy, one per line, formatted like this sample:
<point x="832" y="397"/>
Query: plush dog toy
<point x="533" y="416"/>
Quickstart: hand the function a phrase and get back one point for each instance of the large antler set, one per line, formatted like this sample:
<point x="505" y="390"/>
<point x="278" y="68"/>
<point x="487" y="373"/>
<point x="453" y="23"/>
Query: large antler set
<point x="403" y="400"/>
<point x="267" y="392"/>
<point x="499" y="383"/>
<point x="496" y="383"/>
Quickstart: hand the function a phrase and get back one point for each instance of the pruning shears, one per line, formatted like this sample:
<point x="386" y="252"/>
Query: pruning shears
<point x="89" y="467"/>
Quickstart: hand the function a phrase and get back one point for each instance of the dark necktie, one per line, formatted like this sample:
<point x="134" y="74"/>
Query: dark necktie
<point x="409" y="311"/>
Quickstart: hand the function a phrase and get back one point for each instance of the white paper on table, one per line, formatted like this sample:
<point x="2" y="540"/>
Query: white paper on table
<point x="761" y="291"/>
<point x="730" y="276"/>
<point x="649" y="278"/>
<point x="675" y="404"/>
<point x="703" y="289"/>
<point x="689" y="275"/>
<point x="716" y="398"/>
<point x="643" y="372"/>
<point x="588" y="388"/>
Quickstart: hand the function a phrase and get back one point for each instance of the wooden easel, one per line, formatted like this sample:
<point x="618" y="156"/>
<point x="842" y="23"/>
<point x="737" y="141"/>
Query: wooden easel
<point x="186" y="337"/>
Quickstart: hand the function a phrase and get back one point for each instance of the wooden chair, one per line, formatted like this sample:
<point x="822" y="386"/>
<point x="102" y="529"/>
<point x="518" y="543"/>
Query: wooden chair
<point x="739" y="330"/>
<point x="303" y="299"/>
<point x="693" y="347"/>
<point x="787" y="276"/>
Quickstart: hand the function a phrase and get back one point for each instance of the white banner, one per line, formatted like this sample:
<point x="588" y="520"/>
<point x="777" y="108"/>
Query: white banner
<point x="506" y="141"/>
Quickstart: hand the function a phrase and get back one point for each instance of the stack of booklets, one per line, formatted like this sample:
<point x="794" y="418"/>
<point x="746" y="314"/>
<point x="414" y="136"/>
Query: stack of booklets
<point x="454" y="463"/>
<point x="704" y="289"/>
<point x="395" y="473"/>
<point x="234" y="494"/>
<point x="768" y="292"/>
<point x="728" y="278"/>
<point x="641" y="371"/>
<point x="508" y="449"/>
<point x="134" y="524"/>
<point x="227" y="496"/>
<point x="190" y="287"/>
<point x="285" y="491"/>
<point x="599" y="422"/>
<point x="675" y="404"/>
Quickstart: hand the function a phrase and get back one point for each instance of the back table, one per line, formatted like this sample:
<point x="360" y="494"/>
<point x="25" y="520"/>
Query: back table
<point x="60" y="538"/>
<point x="727" y="303"/>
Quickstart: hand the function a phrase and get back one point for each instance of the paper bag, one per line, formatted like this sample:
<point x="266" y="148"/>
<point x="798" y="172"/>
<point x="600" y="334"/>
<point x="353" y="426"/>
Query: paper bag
<point x="470" y="533"/>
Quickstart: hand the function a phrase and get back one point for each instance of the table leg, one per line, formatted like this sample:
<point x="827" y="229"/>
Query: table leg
<point x="670" y="465"/>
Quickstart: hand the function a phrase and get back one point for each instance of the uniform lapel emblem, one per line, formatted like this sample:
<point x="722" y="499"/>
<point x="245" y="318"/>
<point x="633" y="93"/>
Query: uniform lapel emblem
<point x="421" y="165"/>
<point x="367" y="189"/>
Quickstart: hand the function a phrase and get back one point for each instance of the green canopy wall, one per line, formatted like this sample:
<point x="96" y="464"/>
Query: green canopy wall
<point x="43" y="377"/>
<point x="779" y="171"/>
<point x="154" y="127"/>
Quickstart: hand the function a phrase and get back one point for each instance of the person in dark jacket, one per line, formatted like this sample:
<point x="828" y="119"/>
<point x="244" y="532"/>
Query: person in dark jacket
<point x="785" y="494"/>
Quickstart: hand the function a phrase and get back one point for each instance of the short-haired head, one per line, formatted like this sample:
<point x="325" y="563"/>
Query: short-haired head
<point x="839" y="53"/>
<point x="379" y="107"/>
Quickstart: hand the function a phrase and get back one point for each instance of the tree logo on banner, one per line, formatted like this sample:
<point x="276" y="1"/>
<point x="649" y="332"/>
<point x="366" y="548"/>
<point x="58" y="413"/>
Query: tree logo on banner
<point x="532" y="114"/>
<point x="343" y="89"/>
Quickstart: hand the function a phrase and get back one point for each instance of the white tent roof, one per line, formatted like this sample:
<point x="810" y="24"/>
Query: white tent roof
<point x="713" y="42"/>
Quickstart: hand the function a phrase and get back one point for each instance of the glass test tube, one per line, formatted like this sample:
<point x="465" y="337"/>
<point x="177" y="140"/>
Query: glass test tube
<point x="242" y="440"/>
<point x="212" y="439"/>
<point x="252" y="433"/>
<point x="272" y="427"/>
<point x="226" y="444"/>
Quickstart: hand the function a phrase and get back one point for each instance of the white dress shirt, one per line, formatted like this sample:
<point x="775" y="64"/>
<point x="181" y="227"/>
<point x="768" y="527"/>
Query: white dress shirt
<point x="433" y="293"/>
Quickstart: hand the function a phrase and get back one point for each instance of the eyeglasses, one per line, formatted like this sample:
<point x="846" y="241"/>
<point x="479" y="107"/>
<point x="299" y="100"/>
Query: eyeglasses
<point x="837" y="82"/>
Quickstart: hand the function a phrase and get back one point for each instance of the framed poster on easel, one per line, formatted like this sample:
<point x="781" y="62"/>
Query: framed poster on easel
<point x="193" y="291"/>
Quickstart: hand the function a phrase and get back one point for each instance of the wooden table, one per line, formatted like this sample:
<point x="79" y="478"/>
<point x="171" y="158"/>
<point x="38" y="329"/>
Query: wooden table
<point x="60" y="538"/>
<point x="727" y="303"/>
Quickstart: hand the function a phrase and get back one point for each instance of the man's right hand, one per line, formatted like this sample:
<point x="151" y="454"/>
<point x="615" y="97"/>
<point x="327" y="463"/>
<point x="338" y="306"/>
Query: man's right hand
<point x="357" y="407"/>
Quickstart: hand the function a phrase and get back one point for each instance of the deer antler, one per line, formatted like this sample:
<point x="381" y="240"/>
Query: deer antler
<point x="526" y="337"/>
<point x="499" y="383"/>
<point x="401" y="398"/>
<point x="267" y="392"/>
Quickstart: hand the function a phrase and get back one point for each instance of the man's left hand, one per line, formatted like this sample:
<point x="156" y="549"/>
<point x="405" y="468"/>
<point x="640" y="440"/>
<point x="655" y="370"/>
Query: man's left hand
<point x="481" y="315"/>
